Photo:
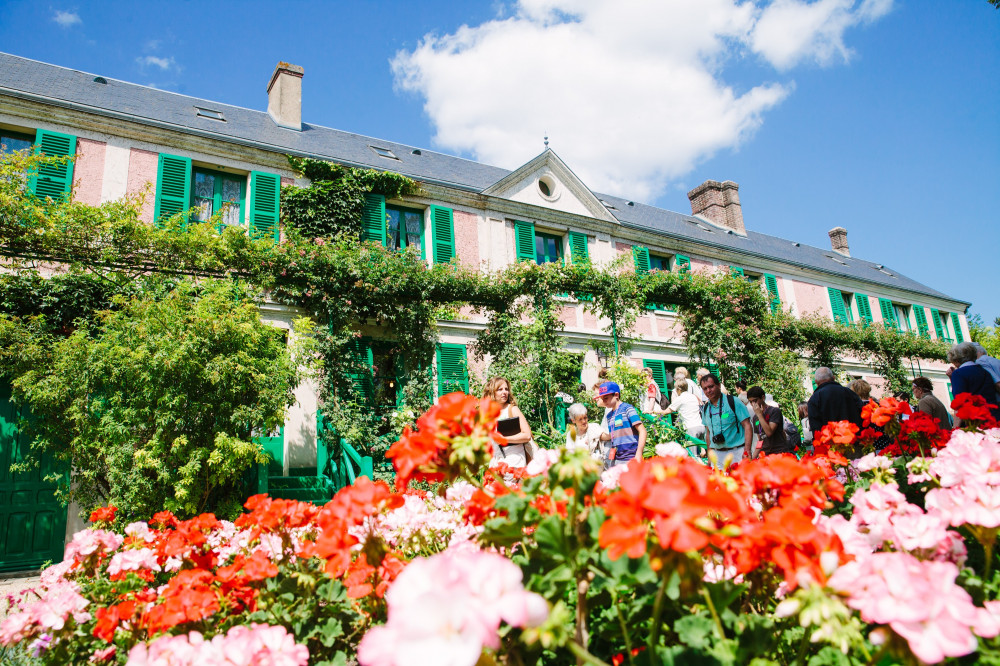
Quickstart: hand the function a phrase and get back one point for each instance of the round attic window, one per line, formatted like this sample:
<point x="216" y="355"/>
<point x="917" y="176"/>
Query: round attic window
<point x="547" y="187"/>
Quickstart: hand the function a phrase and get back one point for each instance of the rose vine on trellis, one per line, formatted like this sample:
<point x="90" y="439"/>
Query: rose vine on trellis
<point x="322" y="266"/>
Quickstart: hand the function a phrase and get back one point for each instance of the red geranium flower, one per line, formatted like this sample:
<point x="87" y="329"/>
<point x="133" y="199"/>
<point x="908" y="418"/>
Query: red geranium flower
<point x="974" y="410"/>
<point x="104" y="514"/>
<point x="840" y="433"/>
<point x="426" y="451"/>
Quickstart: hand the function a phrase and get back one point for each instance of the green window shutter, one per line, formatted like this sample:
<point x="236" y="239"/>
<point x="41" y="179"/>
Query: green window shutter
<point x="361" y="376"/>
<point x="53" y="180"/>
<point x="641" y="256"/>
<point x="578" y="247"/>
<point x="938" y="324"/>
<point x="864" y="308"/>
<point x="453" y="374"/>
<point x="173" y="186"/>
<point x="373" y="219"/>
<point x="957" y="325"/>
<point x="951" y="394"/>
<point x="713" y="368"/>
<point x="837" y="304"/>
<point x="888" y="315"/>
<point x="921" y="315"/>
<point x="659" y="369"/>
<point x="736" y="271"/>
<point x="265" y="202"/>
<point x="682" y="263"/>
<point x="524" y="240"/>
<point x="443" y="234"/>
<point x="771" y="283"/>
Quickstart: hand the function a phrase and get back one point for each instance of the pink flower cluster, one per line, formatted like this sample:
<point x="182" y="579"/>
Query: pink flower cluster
<point x="918" y="600"/>
<point x="58" y="600"/>
<point x="424" y="520"/>
<point x="968" y="470"/>
<point x="885" y="519"/>
<point x="90" y="542"/>
<point x="256" y="645"/>
<point x="446" y="608"/>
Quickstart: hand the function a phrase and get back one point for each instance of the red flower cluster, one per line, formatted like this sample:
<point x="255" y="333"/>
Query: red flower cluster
<point x="880" y="413"/>
<point x="684" y="501"/>
<point x="362" y="578"/>
<point x="188" y="597"/>
<point x="424" y="453"/>
<point x="974" y="411"/>
<point x="920" y="430"/>
<point x="790" y="492"/>
<point x="837" y="434"/>
<point x="104" y="514"/>
<point x="348" y="508"/>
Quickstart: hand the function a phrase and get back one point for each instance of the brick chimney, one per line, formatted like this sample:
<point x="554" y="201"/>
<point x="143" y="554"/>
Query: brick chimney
<point x="284" y="96"/>
<point x="838" y="241"/>
<point x="720" y="203"/>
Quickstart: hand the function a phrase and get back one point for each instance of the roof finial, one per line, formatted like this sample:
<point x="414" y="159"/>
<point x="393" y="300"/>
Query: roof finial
<point x="546" y="139"/>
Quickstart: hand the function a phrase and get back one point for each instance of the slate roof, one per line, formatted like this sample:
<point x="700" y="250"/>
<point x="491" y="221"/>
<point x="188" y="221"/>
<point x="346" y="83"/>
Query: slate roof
<point x="22" y="77"/>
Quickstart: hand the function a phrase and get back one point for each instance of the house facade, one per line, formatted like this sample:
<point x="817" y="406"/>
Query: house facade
<point x="182" y="152"/>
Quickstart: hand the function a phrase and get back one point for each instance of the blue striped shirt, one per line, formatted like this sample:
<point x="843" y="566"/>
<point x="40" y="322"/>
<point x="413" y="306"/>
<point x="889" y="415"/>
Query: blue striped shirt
<point x="621" y="426"/>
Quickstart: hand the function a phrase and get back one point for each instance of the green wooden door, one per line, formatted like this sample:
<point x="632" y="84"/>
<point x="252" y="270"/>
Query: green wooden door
<point x="32" y="522"/>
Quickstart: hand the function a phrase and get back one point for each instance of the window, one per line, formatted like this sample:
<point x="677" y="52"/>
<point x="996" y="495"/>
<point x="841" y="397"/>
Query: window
<point x="210" y="113"/>
<point x="180" y="187"/>
<point x="864" y="308"/>
<point x="888" y="314"/>
<point x="13" y="141"/>
<point x="548" y="248"/>
<point x="660" y="263"/>
<point x="940" y="320"/>
<point x="405" y="228"/>
<point x="217" y="192"/>
<point x="840" y="304"/>
<point x="771" y="283"/>
<point x="902" y="313"/>
<point x="384" y="152"/>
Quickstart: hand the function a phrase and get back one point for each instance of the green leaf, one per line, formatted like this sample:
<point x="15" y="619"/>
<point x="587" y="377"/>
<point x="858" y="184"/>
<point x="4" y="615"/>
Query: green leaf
<point x="697" y="631"/>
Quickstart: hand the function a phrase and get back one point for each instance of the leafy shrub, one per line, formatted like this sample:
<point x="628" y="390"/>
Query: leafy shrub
<point x="156" y="403"/>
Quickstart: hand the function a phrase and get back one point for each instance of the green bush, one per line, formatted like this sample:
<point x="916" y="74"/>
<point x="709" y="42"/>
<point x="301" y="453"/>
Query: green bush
<point x="155" y="404"/>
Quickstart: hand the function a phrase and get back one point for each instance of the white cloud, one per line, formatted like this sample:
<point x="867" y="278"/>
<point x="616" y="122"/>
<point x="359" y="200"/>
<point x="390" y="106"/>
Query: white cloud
<point x="153" y="61"/>
<point x="630" y="92"/>
<point x="66" y="19"/>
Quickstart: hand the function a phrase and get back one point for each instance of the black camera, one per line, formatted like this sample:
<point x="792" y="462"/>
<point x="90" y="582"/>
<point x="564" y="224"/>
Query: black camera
<point x="718" y="439"/>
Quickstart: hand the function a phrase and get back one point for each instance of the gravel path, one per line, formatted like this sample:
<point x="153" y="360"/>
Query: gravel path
<point x="13" y="586"/>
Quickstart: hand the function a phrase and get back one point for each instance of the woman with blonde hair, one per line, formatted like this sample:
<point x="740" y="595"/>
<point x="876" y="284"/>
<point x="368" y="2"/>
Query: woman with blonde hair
<point x="513" y="453"/>
<point x="862" y="388"/>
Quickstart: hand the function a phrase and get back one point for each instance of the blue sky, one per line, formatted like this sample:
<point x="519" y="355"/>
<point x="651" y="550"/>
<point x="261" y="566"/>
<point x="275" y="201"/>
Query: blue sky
<point x="874" y="115"/>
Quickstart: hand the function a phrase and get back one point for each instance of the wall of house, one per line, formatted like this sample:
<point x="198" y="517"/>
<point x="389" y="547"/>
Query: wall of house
<point x="110" y="166"/>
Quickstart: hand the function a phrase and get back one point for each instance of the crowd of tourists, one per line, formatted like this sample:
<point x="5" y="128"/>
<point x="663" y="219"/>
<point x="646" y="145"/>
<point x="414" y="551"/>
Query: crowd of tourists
<point x="744" y="423"/>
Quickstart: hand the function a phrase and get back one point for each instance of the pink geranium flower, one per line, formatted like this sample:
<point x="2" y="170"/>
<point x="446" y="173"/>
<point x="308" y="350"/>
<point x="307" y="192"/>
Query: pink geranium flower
<point x="918" y="600"/>
<point x="445" y="609"/>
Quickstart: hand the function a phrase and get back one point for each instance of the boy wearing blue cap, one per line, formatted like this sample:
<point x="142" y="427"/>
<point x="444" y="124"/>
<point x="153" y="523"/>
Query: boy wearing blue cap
<point x="626" y="432"/>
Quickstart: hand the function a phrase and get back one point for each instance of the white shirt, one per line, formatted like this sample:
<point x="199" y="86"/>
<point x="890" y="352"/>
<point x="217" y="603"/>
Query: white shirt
<point x="686" y="405"/>
<point x="590" y="440"/>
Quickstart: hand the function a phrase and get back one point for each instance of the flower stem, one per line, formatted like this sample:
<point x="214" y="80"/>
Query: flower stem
<point x="583" y="656"/>
<point x="624" y="626"/>
<point x="661" y="595"/>
<point x="715" y="616"/>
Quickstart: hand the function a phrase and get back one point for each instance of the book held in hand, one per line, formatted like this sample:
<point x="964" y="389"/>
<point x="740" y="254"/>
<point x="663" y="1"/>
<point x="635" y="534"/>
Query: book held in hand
<point x="509" y="426"/>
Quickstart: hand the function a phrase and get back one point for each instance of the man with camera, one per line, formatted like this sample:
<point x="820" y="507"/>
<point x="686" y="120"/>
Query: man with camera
<point x="727" y="422"/>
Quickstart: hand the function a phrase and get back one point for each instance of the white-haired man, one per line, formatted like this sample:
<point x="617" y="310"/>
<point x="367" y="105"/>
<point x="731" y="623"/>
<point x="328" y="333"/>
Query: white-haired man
<point x="832" y="402"/>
